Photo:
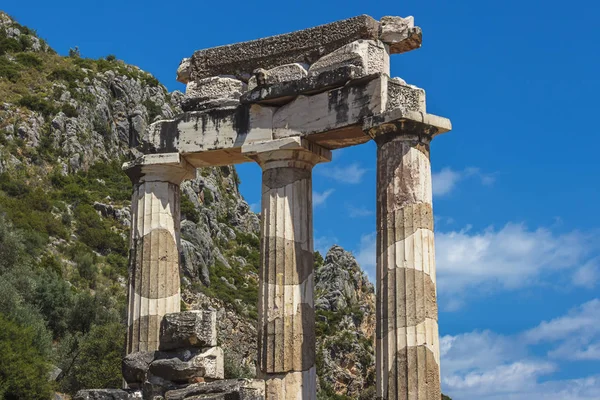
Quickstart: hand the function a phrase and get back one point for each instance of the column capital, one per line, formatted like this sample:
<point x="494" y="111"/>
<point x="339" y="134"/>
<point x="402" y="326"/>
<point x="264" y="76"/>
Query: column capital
<point x="292" y="152"/>
<point x="411" y="125"/>
<point x="167" y="167"/>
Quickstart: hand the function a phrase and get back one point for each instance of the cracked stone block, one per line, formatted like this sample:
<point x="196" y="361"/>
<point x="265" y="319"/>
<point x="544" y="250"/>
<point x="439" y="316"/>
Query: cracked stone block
<point x="407" y="97"/>
<point x="135" y="366"/>
<point x="188" y="329"/>
<point x="183" y="72"/>
<point x="185" y="366"/>
<point x="369" y="56"/>
<point x="282" y="73"/>
<point x="210" y="92"/>
<point x="400" y="34"/>
<point x="231" y="389"/>
<point x="104" y="394"/>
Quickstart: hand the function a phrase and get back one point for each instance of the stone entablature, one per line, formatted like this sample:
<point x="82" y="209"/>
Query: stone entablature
<point x="286" y="102"/>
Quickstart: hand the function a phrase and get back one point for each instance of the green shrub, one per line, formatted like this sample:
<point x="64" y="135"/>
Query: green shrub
<point x="188" y="209"/>
<point x="23" y="370"/>
<point x="94" y="360"/>
<point x="9" y="70"/>
<point x="54" y="298"/>
<point x="70" y="111"/>
<point x="71" y="76"/>
<point x="29" y="60"/>
<point x="39" y="104"/>
<point x="154" y="110"/>
<point x="208" y="196"/>
<point x="111" y="57"/>
<point x="96" y="233"/>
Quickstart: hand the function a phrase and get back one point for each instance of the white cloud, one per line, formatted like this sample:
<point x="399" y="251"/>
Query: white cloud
<point x="352" y="173"/>
<point x="587" y="275"/>
<point x="575" y="336"/>
<point x="357" y="212"/>
<point x="509" y="258"/>
<point x="255" y="208"/>
<point x="488" y="366"/>
<point x="366" y="254"/>
<point x="446" y="180"/>
<point x="321" y="198"/>
<point x="473" y="263"/>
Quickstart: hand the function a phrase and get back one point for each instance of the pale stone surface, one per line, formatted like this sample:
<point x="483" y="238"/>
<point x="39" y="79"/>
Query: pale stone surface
<point x="188" y="329"/>
<point x="183" y="71"/>
<point x="330" y="110"/>
<point x="184" y="366"/>
<point x="154" y="275"/>
<point x="305" y="46"/>
<point x="400" y="34"/>
<point x="231" y="389"/>
<point x="286" y="282"/>
<point x="104" y="394"/>
<point x="407" y="340"/>
<point x="210" y="92"/>
<point x="369" y="56"/>
<point x="282" y="73"/>
<point x="408" y="97"/>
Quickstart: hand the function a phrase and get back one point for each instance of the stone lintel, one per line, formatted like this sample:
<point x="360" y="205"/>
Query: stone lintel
<point x="166" y="167"/>
<point x="407" y="123"/>
<point x="289" y="151"/>
<point x="304" y="46"/>
<point x="280" y="93"/>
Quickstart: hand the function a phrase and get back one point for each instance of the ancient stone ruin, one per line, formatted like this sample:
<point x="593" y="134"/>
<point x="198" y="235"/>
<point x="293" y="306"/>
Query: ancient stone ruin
<point x="287" y="102"/>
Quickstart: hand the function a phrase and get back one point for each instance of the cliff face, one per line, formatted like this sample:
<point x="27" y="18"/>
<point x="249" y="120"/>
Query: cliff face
<point x="66" y="125"/>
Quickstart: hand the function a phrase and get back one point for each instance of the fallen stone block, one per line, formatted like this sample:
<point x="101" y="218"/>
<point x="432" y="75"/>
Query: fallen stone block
<point x="282" y="73"/>
<point x="231" y="389"/>
<point x="188" y="329"/>
<point x="185" y="366"/>
<point x="368" y="56"/>
<point x="103" y="394"/>
<point x="400" y="34"/>
<point x="135" y="366"/>
<point x="402" y="95"/>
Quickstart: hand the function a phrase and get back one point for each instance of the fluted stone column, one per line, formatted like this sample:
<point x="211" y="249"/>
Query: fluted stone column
<point x="286" y="326"/>
<point x="154" y="249"/>
<point x="407" y="348"/>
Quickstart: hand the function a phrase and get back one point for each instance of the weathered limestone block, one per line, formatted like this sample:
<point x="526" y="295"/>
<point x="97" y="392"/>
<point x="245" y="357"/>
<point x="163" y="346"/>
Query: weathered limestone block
<point x="400" y="34"/>
<point x="135" y="366"/>
<point x="154" y="265"/>
<point x="183" y="71"/>
<point x="407" y="339"/>
<point x="188" y="329"/>
<point x="305" y="46"/>
<point x="184" y="366"/>
<point x="369" y="56"/>
<point x="330" y="110"/>
<point x="216" y="91"/>
<point x="106" y="394"/>
<point x="284" y="92"/>
<point x="286" y="337"/>
<point x="282" y="73"/>
<point x="402" y="95"/>
<point x="231" y="389"/>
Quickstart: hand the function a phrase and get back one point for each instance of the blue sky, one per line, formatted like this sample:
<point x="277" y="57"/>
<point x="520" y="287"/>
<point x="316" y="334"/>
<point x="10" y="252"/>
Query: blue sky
<point x="516" y="183"/>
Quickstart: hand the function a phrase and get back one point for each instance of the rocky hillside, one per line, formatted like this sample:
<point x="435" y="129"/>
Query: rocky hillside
<point x="66" y="126"/>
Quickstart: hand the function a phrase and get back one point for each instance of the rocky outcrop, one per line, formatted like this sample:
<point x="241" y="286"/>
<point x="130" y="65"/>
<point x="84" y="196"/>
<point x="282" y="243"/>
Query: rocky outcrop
<point x="345" y="304"/>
